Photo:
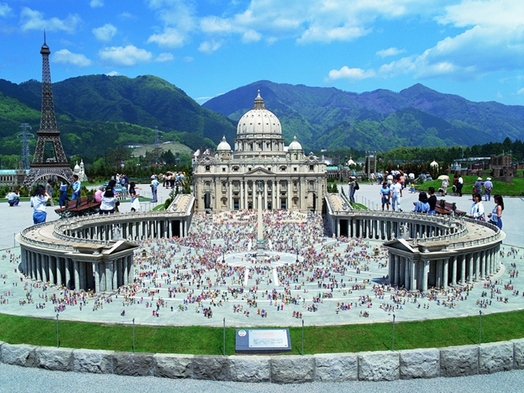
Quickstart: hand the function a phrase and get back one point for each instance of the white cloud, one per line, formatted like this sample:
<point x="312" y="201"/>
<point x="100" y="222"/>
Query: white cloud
<point x="113" y="73"/>
<point x="308" y="21"/>
<point x="171" y="38"/>
<point x="209" y="46"/>
<point x="178" y="19"/>
<point x="520" y="92"/>
<point x="352" y="74"/>
<point x="96" y="3"/>
<point x="390" y="52"/>
<point x="5" y="10"/>
<point x="124" y="55"/>
<point x="66" y="57"/>
<point x="34" y="20"/>
<point x="164" y="57"/>
<point x="251" y="36"/>
<point x="490" y="38"/>
<point x="105" y="33"/>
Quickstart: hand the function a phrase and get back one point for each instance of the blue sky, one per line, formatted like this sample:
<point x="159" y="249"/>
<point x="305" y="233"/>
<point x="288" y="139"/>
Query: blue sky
<point x="473" y="48"/>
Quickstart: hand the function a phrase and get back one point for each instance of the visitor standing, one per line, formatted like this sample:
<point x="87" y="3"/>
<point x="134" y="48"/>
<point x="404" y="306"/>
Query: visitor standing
<point x="495" y="217"/>
<point x="38" y="203"/>
<point x="460" y="184"/>
<point x="444" y="186"/>
<point x="49" y="189"/>
<point x="385" y="193"/>
<point x="432" y="201"/>
<point x="396" y="193"/>
<point x="352" y="188"/>
<point x="477" y="208"/>
<point x="135" y="202"/>
<point x="77" y="186"/>
<point x="133" y="187"/>
<point x="107" y="206"/>
<point x="488" y="187"/>
<point x="62" y="197"/>
<point x="13" y="198"/>
<point x="154" y="189"/>
<point x="477" y="187"/>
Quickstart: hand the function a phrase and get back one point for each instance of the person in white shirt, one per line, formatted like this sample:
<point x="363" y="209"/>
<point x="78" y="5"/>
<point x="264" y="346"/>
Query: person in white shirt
<point x="460" y="184"/>
<point x="396" y="193"/>
<point x="477" y="208"/>
<point x="13" y="198"/>
<point x="38" y="203"/>
<point x="107" y="205"/>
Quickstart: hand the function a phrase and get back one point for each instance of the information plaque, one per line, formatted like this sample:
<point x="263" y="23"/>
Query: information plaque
<point x="262" y="340"/>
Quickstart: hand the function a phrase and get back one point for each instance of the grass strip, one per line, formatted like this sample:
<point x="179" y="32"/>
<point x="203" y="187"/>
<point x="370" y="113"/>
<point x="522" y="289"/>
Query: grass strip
<point x="200" y="340"/>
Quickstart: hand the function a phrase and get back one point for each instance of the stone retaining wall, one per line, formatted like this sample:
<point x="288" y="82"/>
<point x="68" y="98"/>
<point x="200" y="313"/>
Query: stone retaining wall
<point x="364" y="366"/>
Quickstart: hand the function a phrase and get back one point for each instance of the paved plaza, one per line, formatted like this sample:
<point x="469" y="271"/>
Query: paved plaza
<point x="196" y="281"/>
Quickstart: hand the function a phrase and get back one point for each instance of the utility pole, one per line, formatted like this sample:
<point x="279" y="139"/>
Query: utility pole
<point x="25" y="144"/>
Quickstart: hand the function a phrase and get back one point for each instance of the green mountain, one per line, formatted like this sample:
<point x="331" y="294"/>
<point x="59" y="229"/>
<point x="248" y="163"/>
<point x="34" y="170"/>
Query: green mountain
<point x="377" y="120"/>
<point x="96" y="113"/>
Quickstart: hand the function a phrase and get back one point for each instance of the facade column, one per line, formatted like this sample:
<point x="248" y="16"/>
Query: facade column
<point x="397" y="269"/>
<point x="463" y="269"/>
<point x="425" y="275"/>
<point x="445" y="274"/>
<point x="412" y="279"/>
<point x="76" y="275"/>
<point x="454" y="262"/>
<point x="52" y="269"/>
<point x="477" y="266"/>
<point x="470" y="267"/>
<point x="438" y="273"/>
<point x="67" y="273"/>
<point x="115" y="275"/>
<point x="96" y="274"/>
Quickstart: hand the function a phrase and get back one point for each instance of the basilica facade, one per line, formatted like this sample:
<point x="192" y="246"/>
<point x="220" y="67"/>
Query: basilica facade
<point x="259" y="171"/>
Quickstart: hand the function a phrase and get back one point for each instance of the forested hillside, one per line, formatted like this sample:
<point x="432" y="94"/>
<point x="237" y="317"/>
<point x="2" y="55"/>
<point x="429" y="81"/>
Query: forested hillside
<point x="378" y="120"/>
<point x="98" y="113"/>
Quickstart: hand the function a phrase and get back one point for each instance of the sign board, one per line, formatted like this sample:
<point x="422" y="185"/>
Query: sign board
<point x="262" y="340"/>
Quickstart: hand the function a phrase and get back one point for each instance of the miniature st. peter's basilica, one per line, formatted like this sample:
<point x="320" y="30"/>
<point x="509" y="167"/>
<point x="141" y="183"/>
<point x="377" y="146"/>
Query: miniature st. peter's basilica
<point x="259" y="166"/>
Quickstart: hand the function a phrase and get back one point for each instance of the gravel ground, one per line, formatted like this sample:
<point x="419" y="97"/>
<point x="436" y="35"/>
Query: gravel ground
<point x="20" y="379"/>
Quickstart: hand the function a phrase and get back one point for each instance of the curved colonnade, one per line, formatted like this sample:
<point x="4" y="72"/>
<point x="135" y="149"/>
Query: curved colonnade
<point x="424" y="251"/>
<point x="95" y="253"/>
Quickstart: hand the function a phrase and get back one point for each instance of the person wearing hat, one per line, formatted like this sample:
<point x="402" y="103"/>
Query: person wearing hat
<point x="477" y="188"/>
<point x="488" y="186"/>
<point x="154" y="189"/>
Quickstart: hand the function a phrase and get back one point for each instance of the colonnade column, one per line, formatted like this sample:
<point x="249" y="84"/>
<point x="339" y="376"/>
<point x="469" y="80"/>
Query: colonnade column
<point x="454" y="266"/>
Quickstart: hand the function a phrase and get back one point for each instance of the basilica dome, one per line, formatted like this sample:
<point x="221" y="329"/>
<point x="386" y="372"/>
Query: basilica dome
<point x="259" y="120"/>
<point x="224" y="146"/>
<point x="295" y="145"/>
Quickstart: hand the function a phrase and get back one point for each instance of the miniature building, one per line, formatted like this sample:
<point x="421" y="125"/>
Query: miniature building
<point x="260" y="165"/>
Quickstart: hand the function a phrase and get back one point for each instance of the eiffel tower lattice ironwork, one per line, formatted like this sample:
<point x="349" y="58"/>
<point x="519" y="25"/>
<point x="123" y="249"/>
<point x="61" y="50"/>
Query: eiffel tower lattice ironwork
<point x="49" y="158"/>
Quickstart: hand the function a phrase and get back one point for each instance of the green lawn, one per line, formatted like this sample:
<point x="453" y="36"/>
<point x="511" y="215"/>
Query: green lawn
<point x="515" y="188"/>
<point x="209" y="341"/>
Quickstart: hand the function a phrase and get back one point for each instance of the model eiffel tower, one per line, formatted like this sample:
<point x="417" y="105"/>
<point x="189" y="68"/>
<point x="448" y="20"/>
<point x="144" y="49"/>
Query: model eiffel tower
<point x="49" y="158"/>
